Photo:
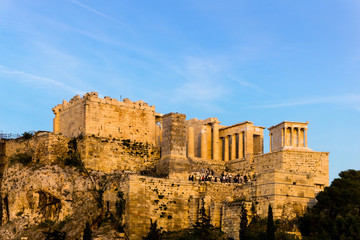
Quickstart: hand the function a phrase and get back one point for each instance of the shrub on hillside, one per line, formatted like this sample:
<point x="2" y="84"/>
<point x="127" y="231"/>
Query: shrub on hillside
<point x="27" y="135"/>
<point x="24" y="158"/>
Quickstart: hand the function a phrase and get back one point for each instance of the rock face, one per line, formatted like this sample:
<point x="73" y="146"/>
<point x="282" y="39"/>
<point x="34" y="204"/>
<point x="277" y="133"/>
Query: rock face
<point x="37" y="198"/>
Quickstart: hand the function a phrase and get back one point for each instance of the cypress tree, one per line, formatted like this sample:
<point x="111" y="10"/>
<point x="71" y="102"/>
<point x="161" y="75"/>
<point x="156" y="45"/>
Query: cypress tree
<point x="270" y="230"/>
<point x="154" y="233"/>
<point x="243" y="222"/>
<point x="203" y="227"/>
<point x="87" y="232"/>
<point x="54" y="235"/>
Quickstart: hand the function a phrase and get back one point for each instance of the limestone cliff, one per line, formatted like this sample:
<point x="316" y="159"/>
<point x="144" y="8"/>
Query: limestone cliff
<point x="40" y="198"/>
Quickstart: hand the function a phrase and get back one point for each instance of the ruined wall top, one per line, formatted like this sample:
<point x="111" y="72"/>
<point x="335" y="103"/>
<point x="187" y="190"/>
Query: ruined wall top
<point x="194" y="121"/>
<point x="105" y="117"/>
<point x="93" y="97"/>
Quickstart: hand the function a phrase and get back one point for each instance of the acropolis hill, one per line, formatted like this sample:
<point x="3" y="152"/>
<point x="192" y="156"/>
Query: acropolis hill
<point x="165" y="165"/>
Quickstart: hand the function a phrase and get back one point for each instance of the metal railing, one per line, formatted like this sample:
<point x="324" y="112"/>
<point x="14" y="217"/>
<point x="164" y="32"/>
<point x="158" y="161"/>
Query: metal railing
<point x="9" y="135"/>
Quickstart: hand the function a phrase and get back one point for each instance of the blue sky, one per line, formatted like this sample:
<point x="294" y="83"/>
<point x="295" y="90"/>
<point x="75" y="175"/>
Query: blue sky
<point x="262" y="61"/>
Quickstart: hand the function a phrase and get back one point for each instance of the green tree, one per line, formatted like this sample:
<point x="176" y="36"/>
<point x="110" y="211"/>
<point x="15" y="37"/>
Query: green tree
<point x="120" y="205"/>
<point x="203" y="227"/>
<point x="270" y="229"/>
<point x="24" y="158"/>
<point x="87" y="232"/>
<point x="154" y="233"/>
<point x="120" y="210"/>
<point x="27" y="135"/>
<point x="54" y="235"/>
<point x="243" y="223"/>
<point x="336" y="215"/>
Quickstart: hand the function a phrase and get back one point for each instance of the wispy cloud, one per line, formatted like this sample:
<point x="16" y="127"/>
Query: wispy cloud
<point x="249" y="85"/>
<point x="36" y="81"/>
<point x="202" y="83"/>
<point x="351" y="100"/>
<point x="90" y="9"/>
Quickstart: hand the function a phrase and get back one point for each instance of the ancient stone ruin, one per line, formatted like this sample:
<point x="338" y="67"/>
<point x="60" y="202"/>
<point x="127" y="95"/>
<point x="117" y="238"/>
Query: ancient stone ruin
<point x="168" y="166"/>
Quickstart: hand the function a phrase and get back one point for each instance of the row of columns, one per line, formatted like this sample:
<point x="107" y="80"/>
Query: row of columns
<point x="208" y="133"/>
<point x="232" y="145"/>
<point x="294" y="138"/>
<point x="236" y="147"/>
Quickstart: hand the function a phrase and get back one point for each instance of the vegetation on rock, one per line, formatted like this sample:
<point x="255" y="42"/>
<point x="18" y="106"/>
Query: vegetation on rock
<point x="27" y="135"/>
<point x="87" y="232"/>
<point x="54" y="235"/>
<point x="265" y="228"/>
<point x="202" y="230"/>
<point x="336" y="214"/>
<point x="120" y="206"/>
<point x="243" y="222"/>
<point x="23" y="157"/>
<point x="270" y="229"/>
<point x="154" y="233"/>
<point x="73" y="158"/>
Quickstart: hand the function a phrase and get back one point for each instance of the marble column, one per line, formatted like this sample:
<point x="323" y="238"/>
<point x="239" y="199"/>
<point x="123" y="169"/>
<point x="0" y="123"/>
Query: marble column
<point x="226" y="148"/>
<point x="209" y="141"/>
<point x="233" y="146"/>
<point x="203" y="142"/>
<point x="215" y="141"/>
<point x="298" y="137"/>
<point x="241" y="145"/>
<point x="190" y="141"/>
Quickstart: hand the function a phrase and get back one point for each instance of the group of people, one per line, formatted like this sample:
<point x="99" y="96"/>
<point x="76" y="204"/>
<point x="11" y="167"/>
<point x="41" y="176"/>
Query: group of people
<point x="235" y="179"/>
<point x="208" y="175"/>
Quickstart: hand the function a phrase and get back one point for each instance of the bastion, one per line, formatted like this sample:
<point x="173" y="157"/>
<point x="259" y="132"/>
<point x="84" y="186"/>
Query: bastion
<point x="172" y="165"/>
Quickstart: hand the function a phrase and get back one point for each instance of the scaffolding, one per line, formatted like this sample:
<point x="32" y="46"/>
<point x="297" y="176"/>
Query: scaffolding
<point x="7" y="136"/>
<point x="3" y="138"/>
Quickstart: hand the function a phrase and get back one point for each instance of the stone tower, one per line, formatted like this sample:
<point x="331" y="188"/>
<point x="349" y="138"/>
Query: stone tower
<point x="173" y="144"/>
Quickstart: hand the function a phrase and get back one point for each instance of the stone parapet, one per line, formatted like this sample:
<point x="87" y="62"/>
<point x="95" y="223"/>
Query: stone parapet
<point x="175" y="203"/>
<point x="106" y="117"/>
<point x="93" y="97"/>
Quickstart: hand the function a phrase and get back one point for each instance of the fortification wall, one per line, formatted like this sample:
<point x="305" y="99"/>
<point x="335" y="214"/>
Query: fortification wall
<point x="72" y="119"/>
<point x="290" y="180"/>
<point x="231" y="213"/>
<point x="283" y="191"/>
<point x="175" y="203"/>
<point x="101" y="154"/>
<point x="268" y="162"/>
<point x="315" y="164"/>
<point x="198" y="165"/>
<point x="128" y="120"/>
<point x="173" y="145"/>
<point x="109" y="154"/>
<point x="106" y="117"/>
<point x="311" y="163"/>
<point x="43" y="147"/>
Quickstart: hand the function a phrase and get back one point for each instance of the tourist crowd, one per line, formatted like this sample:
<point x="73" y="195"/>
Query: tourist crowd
<point x="208" y="175"/>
